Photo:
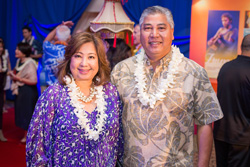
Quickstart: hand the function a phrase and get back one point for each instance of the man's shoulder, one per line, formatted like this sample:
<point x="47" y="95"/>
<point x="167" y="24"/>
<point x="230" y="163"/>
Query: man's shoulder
<point x="190" y="63"/>
<point x="125" y="64"/>
<point x="47" y="45"/>
<point x="36" y="42"/>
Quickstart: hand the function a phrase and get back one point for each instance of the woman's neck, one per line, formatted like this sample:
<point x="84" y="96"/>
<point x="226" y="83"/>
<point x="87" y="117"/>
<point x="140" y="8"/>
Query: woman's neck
<point x="23" y="59"/>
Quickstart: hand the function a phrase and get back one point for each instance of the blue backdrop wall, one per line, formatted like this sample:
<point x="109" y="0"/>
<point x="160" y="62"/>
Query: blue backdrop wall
<point x="44" y="15"/>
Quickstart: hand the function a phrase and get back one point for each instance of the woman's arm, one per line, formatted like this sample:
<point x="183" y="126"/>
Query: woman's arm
<point x="39" y="133"/>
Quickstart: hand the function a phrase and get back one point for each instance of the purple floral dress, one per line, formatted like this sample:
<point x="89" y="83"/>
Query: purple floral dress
<point x="56" y="139"/>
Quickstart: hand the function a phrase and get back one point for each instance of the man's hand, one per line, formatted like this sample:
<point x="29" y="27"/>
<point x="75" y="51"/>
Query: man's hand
<point x="68" y="23"/>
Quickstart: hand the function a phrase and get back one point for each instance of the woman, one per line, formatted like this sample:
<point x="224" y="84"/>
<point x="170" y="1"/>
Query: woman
<point x="4" y="67"/>
<point x="77" y="120"/>
<point x="24" y="86"/>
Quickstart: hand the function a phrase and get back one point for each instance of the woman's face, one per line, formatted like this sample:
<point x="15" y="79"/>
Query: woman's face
<point x="19" y="54"/>
<point x="84" y="63"/>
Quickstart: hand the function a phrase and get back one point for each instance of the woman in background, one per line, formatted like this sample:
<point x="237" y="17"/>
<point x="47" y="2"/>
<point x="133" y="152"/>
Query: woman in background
<point x="4" y="67"/>
<point x="24" y="86"/>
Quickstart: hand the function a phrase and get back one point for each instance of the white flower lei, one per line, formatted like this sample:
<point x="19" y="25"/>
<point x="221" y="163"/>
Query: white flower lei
<point x="83" y="120"/>
<point x="164" y="84"/>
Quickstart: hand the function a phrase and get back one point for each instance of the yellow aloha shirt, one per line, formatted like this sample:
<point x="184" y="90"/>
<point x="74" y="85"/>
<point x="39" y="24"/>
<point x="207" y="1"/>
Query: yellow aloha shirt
<point x="163" y="136"/>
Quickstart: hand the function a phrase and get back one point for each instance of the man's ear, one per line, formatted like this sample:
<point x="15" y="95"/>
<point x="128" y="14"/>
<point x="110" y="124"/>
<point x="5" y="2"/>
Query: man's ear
<point x="172" y="34"/>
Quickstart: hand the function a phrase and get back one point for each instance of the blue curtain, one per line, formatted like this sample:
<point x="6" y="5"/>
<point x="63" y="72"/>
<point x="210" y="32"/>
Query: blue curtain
<point x="41" y="15"/>
<point x="181" y="10"/>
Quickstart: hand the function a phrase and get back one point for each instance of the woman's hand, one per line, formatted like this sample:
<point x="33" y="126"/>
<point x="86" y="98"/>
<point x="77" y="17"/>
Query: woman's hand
<point x="15" y="77"/>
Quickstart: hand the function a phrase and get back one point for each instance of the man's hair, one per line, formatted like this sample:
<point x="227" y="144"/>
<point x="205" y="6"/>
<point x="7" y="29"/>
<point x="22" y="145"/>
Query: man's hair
<point x="63" y="33"/>
<point x="157" y="10"/>
<point x="27" y="28"/>
<point x="229" y="16"/>
<point x="25" y="48"/>
<point x="74" y="45"/>
<point x="245" y="45"/>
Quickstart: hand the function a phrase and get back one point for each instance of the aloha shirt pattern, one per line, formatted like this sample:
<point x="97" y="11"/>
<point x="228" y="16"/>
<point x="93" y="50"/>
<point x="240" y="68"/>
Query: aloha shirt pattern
<point x="163" y="136"/>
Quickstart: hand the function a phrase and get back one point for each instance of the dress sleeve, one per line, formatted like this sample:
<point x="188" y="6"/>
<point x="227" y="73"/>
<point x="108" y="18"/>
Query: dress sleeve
<point x="39" y="132"/>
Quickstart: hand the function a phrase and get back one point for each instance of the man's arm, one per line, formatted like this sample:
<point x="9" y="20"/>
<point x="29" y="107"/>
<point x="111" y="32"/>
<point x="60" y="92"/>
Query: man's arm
<point x="205" y="143"/>
<point x="214" y="39"/>
<point x="52" y="34"/>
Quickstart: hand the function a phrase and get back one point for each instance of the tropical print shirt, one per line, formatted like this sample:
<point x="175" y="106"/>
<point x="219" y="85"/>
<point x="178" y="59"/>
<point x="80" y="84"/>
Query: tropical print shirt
<point x="163" y="136"/>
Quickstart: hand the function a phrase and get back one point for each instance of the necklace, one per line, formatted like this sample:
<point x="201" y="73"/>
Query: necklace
<point x="28" y="60"/>
<point x="163" y="84"/>
<point x="83" y="120"/>
<point x="84" y="98"/>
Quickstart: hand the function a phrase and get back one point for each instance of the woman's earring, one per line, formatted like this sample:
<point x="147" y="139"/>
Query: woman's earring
<point x="97" y="79"/>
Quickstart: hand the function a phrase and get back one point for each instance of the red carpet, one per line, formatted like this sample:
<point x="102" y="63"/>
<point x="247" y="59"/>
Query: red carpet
<point x="12" y="152"/>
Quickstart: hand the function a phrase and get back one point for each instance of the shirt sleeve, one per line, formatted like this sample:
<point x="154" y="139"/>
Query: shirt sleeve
<point x="39" y="132"/>
<point x="206" y="104"/>
<point x="38" y="47"/>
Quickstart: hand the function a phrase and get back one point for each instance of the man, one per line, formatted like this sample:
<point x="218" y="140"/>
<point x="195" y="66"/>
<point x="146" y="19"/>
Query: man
<point x="53" y="47"/>
<point x="163" y="93"/>
<point x="232" y="133"/>
<point x="137" y="41"/>
<point x="37" y="50"/>
<point x="225" y="39"/>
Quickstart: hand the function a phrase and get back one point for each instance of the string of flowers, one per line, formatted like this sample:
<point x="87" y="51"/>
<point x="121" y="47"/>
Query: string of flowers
<point x="163" y="84"/>
<point x="83" y="121"/>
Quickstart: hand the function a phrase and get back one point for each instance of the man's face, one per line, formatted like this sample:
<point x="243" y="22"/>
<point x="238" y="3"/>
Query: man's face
<point x="136" y="35"/>
<point x="156" y="36"/>
<point x="26" y="34"/>
<point x="226" y="22"/>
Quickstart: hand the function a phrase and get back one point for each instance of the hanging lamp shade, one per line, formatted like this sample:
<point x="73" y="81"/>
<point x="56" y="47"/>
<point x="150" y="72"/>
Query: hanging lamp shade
<point x="111" y="20"/>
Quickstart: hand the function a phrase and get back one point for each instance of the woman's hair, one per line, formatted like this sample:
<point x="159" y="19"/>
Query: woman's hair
<point x="25" y="48"/>
<point x="74" y="45"/>
<point x="119" y="53"/>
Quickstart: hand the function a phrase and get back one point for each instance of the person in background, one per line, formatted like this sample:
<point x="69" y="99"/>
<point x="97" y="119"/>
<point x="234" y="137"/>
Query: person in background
<point x="137" y="41"/>
<point x="77" y="120"/>
<point x="54" y="48"/>
<point x="4" y="68"/>
<point x="24" y="80"/>
<point x="121" y="52"/>
<point x="37" y="50"/>
<point x="163" y="94"/>
<point x="7" y="79"/>
<point x="232" y="133"/>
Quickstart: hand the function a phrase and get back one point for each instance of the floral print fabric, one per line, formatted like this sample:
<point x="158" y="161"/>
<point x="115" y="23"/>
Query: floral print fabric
<point x="56" y="139"/>
<point x="163" y="136"/>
